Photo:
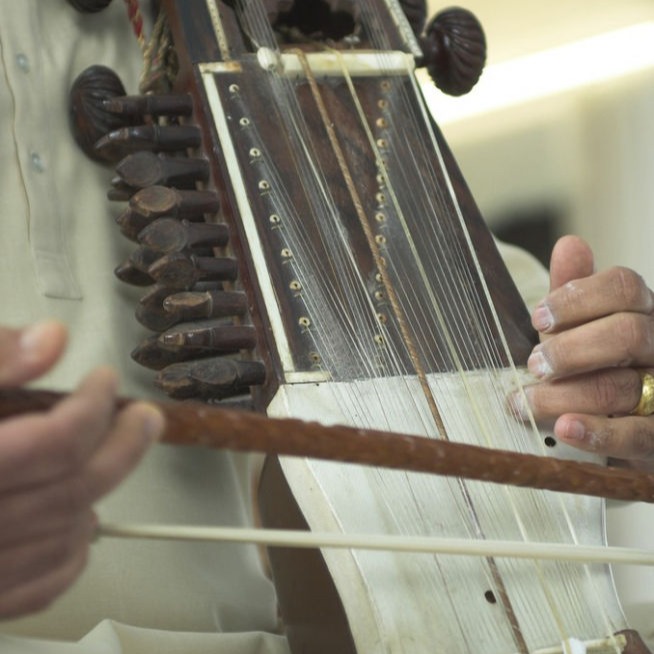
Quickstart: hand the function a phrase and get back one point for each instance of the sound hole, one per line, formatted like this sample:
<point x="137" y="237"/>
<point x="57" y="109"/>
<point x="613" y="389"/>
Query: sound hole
<point x="316" y="20"/>
<point x="490" y="597"/>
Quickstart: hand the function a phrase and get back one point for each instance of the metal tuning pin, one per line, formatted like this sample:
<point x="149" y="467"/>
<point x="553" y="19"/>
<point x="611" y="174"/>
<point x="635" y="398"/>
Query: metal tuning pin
<point x="155" y="138"/>
<point x="214" y="378"/>
<point x="144" y="169"/>
<point x="182" y="271"/>
<point x="167" y="235"/>
<point x="170" y="104"/>
<point x="454" y="48"/>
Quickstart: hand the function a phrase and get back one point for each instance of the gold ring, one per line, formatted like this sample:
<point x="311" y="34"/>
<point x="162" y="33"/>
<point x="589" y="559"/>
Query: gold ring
<point x="645" y="406"/>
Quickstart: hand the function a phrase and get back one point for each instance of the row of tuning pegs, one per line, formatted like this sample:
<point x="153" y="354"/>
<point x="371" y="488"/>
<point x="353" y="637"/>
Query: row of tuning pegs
<point x="202" y="343"/>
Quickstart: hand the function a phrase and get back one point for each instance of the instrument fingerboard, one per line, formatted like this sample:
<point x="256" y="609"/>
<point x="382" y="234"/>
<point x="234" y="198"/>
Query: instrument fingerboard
<point x="347" y="206"/>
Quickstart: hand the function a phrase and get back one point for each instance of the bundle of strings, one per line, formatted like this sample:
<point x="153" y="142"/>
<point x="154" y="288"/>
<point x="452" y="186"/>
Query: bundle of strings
<point x="159" y="61"/>
<point x="430" y="303"/>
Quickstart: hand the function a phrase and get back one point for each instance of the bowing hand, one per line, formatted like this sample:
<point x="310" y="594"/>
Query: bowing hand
<point x="53" y="466"/>
<point x="597" y="342"/>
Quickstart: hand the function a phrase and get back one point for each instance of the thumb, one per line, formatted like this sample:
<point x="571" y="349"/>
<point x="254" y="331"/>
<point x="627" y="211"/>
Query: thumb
<point x="29" y="352"/>
<point x="571" y="259"/>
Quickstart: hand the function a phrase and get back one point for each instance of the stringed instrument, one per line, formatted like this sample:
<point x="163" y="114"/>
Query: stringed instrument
<point x="307" y="243"/>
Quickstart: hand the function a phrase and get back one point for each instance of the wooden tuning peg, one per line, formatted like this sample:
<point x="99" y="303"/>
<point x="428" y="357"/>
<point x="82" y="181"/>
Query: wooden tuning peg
<point x="454" y="48"/>
<point x="153" y="202"/>
<point x="158" y="201"/>
<point x="166" y="235"/>
<point x="181" y="271"/>
<point x="165" y="104"/>
<point x="127" y="272"/>
<point x="89" y="120"/>
<point x="89" y="6"/>
<point x="212" y="336"/>
<point x="144" y="169"/>
<point x="213" y="303"/>
<point x="156" y="138"/>
<point x="149" y="354"/>
<point x="212" y="378"/>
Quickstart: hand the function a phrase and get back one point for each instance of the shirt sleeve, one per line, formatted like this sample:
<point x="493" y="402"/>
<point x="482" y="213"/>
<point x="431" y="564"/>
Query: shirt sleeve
<point x="529" y="275"/>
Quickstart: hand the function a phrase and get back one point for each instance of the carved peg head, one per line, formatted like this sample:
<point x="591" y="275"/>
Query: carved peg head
<point x="89" y="118"/>
<point x="454" y="48"/>
<point x="89" y="6"/>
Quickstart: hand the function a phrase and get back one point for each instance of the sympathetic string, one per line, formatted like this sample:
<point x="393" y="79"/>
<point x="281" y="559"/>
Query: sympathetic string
<point x="343" y="320"/>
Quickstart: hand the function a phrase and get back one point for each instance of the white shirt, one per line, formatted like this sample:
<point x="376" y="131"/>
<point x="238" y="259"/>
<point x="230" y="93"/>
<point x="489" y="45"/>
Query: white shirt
<point x="59" y="246"/>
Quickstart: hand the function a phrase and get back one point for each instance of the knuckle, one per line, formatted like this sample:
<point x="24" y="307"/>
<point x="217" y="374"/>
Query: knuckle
<point x="642" y="442"/>
<point x="636" y="336"/>
<point x="630" y="286"/>
<point x="534" y="399"/>
<point x="69" y="447"/>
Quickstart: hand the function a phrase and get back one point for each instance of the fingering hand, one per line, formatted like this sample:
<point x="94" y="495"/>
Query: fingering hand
<point x="597" y="337"/>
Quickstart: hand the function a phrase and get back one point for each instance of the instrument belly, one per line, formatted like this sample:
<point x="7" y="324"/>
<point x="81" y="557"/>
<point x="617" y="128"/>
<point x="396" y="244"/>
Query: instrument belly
<point x="448" y="603"/>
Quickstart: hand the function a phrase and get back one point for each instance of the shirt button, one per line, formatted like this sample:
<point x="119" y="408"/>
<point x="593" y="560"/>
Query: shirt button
<point x="37" y="162"/>
<point x="23" y="62"/>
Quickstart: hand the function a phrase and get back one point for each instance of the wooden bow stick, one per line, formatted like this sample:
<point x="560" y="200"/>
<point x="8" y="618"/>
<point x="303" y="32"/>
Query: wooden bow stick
<point x="194" y="423"/>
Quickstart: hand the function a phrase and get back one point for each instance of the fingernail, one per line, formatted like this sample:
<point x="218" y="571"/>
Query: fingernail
<point x="538" y="365"/>
<point x="575" y="431"/>
<point x="542" y="318"/>
<point x="519" y="403"/>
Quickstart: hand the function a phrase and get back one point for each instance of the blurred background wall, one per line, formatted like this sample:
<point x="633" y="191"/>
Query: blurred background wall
<point x="546" y="155"/>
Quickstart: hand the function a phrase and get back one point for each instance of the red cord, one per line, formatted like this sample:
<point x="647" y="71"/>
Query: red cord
<point x="135" y="18"/>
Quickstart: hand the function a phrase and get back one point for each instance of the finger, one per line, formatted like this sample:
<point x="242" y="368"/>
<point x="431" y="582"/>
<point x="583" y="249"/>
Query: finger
<point x="39" y="593"/>
<point x="136" y="428"/>
<point x="582" y="300"/>
<point x="607" y="392"/>
<point x="27" y="353"/>
<point x="28" y="561"/>
<point x="39" y="448"/>
<point x="630" y="437"/>
<point x="36" y="512"/>
<point x="571" y="259"/>
<point x="40" y="510"/>
<point x="618" y="340"/>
